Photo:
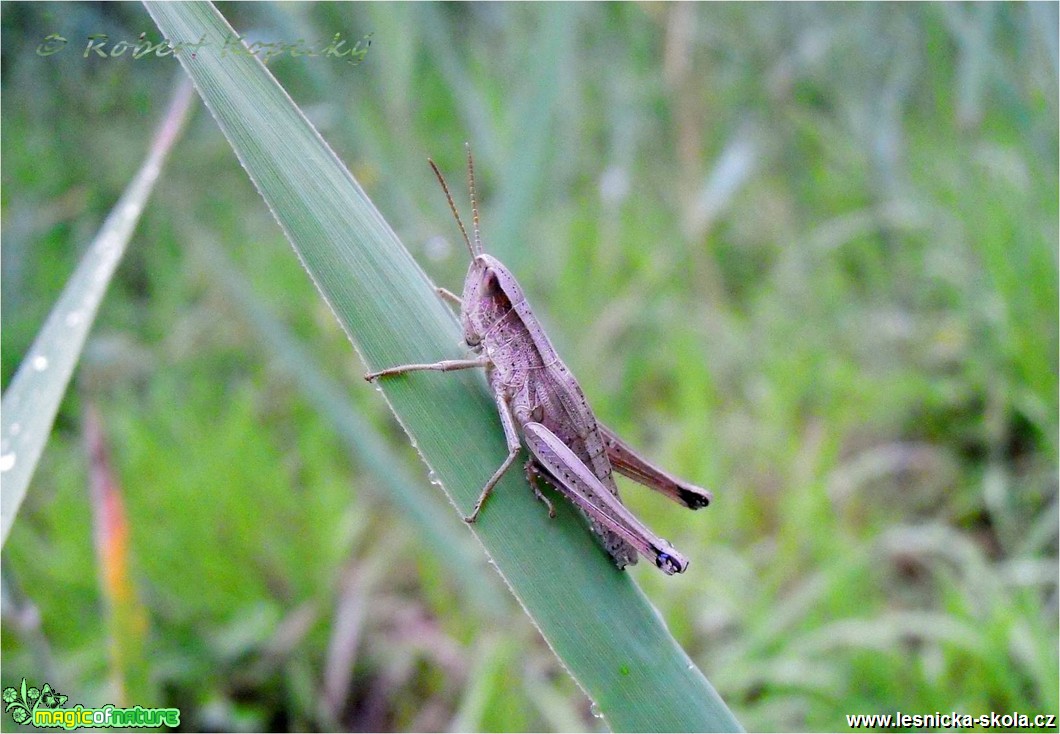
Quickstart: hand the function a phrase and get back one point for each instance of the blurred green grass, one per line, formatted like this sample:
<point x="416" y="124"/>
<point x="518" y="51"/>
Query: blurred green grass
<point x="806" y="255"/>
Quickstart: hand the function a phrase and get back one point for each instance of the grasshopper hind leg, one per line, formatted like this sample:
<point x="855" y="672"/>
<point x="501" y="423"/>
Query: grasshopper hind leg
<point x="620" y="551"/>
<point x="622" y="533"/>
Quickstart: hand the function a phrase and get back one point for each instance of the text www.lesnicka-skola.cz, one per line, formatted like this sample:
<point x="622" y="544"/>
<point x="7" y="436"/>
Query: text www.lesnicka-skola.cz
<point x="952" y="720"/>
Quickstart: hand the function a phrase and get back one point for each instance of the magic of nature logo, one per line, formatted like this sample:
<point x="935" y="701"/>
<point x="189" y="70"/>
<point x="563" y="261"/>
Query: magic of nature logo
<point x="43" y="707"/>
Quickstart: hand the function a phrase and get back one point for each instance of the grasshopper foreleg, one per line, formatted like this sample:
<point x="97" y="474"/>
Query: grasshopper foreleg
<point x="446" y="365"/>
<point x="448" y="295"/>
<point x="508" y="422"/>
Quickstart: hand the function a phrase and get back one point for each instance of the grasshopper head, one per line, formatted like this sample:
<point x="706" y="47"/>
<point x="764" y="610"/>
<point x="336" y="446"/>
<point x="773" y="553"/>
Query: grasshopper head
<point x="489" y="290"/>
<point x="475" y="291"/>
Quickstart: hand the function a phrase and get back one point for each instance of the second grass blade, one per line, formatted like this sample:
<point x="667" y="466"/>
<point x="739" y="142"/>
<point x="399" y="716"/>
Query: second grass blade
<point x="32" y="399"/>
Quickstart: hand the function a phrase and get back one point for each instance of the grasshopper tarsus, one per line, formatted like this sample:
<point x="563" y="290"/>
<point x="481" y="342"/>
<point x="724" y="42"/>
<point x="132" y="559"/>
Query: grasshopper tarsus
<point x="448" y="295"/>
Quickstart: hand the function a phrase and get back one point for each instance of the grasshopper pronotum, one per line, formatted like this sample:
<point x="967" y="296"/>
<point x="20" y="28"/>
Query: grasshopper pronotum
<point x="540" y="401"/>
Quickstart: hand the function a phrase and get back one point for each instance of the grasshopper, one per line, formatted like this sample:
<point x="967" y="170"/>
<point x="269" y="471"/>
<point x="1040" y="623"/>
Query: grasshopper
<point x="540" y="403"/>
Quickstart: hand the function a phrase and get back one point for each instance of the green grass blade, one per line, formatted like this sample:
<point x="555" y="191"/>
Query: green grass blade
<point x="32" y="400"/>
<point x="593" y="616"/>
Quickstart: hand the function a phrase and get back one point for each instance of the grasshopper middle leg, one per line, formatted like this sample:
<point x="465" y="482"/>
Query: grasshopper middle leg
<point x="514" y="446"/>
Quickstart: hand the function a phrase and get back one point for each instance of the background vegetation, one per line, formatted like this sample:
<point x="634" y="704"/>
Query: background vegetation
<point x="806" y="255"/>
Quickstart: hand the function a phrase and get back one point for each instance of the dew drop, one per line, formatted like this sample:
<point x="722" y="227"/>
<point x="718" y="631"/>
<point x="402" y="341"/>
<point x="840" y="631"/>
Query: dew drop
<point x="595" y="710"/>
<point x="40" y="363"/>
<point x="7" y="461"/>
<point x="74" y="318"/>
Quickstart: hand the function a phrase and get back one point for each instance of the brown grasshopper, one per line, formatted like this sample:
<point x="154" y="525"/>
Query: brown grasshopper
<point x="535" y="391"/>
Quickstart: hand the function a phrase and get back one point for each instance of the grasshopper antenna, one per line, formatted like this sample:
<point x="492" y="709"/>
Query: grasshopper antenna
<point x="452" y="208"/>
<point x="474" y="203"/>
